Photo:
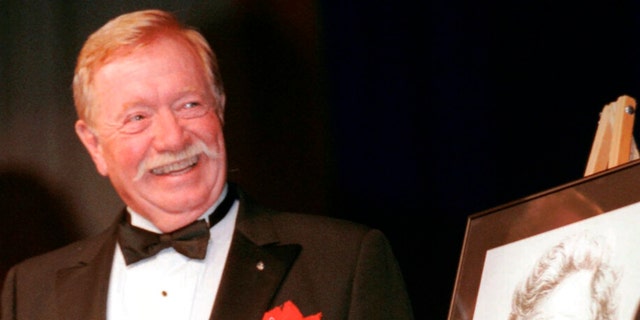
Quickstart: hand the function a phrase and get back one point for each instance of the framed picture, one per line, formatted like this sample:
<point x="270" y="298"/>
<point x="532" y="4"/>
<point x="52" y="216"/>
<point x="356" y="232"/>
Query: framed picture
<point x="507" y="250"/>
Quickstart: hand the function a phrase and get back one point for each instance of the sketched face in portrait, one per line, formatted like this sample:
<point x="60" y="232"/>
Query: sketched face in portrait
<point x="568" y="299"/>
<point x="573" y="280"/>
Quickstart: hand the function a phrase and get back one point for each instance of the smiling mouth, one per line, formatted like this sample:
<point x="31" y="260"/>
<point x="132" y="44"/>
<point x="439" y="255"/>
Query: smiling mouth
<point x="176" y="167"/>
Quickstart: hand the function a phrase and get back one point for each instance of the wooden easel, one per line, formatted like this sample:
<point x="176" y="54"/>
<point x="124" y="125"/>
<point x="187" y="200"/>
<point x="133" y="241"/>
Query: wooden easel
<point x="614" y="144"/>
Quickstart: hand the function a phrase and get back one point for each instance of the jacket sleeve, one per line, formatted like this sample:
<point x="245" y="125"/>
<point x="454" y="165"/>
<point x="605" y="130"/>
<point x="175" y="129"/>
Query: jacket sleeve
<point x="379" y="290"/>
<point x="7" y="301"/>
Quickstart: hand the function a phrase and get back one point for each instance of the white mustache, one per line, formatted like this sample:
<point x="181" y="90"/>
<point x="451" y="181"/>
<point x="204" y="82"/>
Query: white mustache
<point x="168" y="158"/>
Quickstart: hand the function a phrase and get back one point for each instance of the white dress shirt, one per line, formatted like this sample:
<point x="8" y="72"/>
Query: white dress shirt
<point x="169" y="285"/>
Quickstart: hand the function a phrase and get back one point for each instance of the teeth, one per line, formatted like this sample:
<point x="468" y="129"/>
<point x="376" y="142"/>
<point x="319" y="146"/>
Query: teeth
<point x="176" y="166"/>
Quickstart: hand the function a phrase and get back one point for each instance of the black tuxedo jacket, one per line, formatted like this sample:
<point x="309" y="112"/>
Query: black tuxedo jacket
<point x="341" y="269"/>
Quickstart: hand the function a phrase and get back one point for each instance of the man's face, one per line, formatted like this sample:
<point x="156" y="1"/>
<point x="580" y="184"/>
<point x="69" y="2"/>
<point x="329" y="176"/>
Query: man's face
<point x="156" y="134"/>
<point x="571" y="299"/>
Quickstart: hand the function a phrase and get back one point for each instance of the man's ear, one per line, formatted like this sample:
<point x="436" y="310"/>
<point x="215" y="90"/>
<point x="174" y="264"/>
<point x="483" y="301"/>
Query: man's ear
<point x="222" y="101"/>
<point x="91" y="142"/>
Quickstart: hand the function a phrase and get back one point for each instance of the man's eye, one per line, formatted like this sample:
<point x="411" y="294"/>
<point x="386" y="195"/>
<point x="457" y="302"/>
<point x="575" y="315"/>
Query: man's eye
<point x="135" y="123"/>
<point x="192" y="110"/>
<point x="137" y="117"/>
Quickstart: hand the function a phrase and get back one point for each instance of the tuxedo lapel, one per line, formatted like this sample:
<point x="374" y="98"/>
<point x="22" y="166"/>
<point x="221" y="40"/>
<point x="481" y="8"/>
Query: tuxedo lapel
<point x="251" y="278"/>
<point x="81" y="290"/>
<point x="256" y="265"/>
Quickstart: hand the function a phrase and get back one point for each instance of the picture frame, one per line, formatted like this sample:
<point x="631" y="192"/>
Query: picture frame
<point x="501" y="244"/>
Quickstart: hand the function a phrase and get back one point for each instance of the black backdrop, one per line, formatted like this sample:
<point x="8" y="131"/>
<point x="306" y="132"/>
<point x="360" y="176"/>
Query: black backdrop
<point x="407" y="116"/>
<point x="447" y="108"/>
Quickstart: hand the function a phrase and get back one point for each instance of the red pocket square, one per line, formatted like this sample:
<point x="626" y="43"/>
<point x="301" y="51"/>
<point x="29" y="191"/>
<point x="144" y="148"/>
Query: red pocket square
<point x="288" y="311"/>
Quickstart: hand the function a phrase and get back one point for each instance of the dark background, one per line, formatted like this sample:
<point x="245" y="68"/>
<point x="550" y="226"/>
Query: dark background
<point x="408" y="116"/>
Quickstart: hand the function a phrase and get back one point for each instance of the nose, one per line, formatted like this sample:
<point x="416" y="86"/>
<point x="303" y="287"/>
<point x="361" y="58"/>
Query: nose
<point x="169" y="134"/>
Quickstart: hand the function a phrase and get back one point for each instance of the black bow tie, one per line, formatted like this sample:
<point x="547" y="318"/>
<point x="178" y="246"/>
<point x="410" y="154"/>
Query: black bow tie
<point x="191" y="240"/>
